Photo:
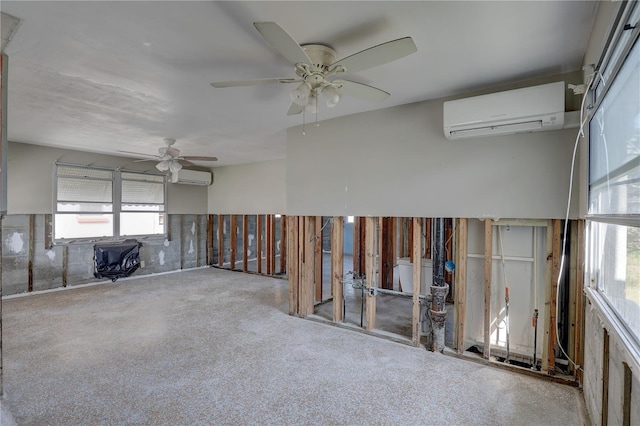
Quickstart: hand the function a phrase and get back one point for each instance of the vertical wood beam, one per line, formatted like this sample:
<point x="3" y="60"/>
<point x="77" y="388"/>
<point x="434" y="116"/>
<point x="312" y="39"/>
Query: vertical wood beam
<point x="580" y="302"/>
<point x="427" y="243"/>
<point x="417" y="279"/>
<point x="386" y="253"/>
<point x="220" y="240"/>
<point x="259" y="241"/>
<point x="360" y="267"/>
<point x="293" y="275"/>
<point x="488" y="274"/>
<point x="273" y="244"/>
<point x="317" y="261"/>
<point x="233" y="220"/>
<point x="209" y="239"/>
<point x="337" y="266"/>
<point x="269" y="246"/>
<point x="32" y="229"/>
<point x="245" y="242"/>
<point x="605" y="379"/>
<point x="461" y="282"/>
<point x="283" y="244"/>
<point x="555" y="266"/>
<point x="410" y="241"/>
<point x="308" y="260"/>
<point x="65" y="264"/>
<point x="356" y="244"/>
<point x="370" y="270"/>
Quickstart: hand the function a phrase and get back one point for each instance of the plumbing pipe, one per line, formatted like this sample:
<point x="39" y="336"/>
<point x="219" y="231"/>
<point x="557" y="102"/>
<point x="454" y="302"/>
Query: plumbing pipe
<point x="439" y="289"/>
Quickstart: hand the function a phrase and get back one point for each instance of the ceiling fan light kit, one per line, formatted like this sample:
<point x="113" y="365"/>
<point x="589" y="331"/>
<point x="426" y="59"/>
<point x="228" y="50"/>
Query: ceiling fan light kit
<point x="315" y="65"/>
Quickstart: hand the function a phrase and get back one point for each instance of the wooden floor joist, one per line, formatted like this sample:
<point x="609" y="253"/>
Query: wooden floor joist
<point x="337" y="262"/>
<point x="417" y="277"/>
<point x="488" y="274"/>
<point x="461" y="282"/>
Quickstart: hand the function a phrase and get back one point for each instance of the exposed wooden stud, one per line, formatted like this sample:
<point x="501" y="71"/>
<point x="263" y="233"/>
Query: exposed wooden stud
<point x="370" y="270"/>
<point x="337" y="266"/>
<point x="220" y="240"/>
<point x="65" y="264"/>
<point x="626" y="395"/>
<point x="272" y="240"/>
<point x="209" y="239"/>
<point x="317" y="261"/>
<point x="417" y="279"/>
<point x="548" y="277"/>
<point x="387" y="258"/>
<point x="461" y="282"/>
<point x="259" y="241"/>
<point x="580" y="301"/>
<point x="283" y="244"/>
<point x="556" y="255"/>
<point x="449" y="253"/>
<point x="308" y="261"/>
<point x="572" y="280"/>
<point x="32" y="229"/>
<point x="293" y="275"/>
<point x="245" y="242"/>
<point x="488" y="275"/>
<point x="233" y="229"/>
<point x="268" y="245"/>
<point x="427" y="242"/>
<point x="605" y="379"/>
<point x="48" y="231"/>
<point x="410" y="241"/>
<point x="359" y="253"/>
<point x="401" y="238"/>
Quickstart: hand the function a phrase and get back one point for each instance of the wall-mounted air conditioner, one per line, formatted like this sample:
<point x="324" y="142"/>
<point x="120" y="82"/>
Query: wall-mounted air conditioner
<point x="191" y="177"/>
<point x="531" y="109"/>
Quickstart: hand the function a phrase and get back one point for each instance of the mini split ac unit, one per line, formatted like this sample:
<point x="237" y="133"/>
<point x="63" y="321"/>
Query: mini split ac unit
<point x="191" y="177"/>
<point x="531" y="109"/>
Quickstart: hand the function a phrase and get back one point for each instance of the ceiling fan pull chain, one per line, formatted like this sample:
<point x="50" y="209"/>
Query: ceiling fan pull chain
<point x="303" y="120"/>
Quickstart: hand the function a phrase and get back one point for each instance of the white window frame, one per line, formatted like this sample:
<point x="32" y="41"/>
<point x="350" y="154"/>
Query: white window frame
<point x="116" y="203"/>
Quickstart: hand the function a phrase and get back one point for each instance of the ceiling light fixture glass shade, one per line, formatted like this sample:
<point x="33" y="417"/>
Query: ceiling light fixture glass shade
<point x="163" y="166"/>
<point x="331" y="96"/>
<point x="312" y="105"/>
<point x="174" y="166"/>
<point x="300" y="95"/>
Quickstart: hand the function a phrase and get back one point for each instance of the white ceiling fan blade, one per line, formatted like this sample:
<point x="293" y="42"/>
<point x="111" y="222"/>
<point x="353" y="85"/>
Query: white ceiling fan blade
<point x="361" y="91"/>
<point x="295" y="109"/>
<point x="185" y="163"/>
<point x="139" y="154"/>
<point x="239" y="83"/>
<point x="282" y="42"/>
<point x="378" y="55"/>
<point x="198" y="158"/>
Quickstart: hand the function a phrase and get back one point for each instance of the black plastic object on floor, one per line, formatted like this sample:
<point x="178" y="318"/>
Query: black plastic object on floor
<point x="116" y="260"/>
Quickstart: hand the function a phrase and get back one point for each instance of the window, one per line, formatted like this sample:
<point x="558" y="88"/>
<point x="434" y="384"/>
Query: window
<point x="614" y="180"/>
<point x="104" y="203"/>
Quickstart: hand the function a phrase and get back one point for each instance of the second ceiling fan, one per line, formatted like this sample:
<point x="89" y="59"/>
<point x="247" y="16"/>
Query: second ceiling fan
<point x="316" y="66"/>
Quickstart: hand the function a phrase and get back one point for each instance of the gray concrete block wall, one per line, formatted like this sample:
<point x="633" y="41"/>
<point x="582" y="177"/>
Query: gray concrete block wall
<point x="156" y="254"/>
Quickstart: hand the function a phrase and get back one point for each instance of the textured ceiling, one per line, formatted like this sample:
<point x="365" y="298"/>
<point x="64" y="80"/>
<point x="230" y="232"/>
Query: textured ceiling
<point x="109" y="76"/>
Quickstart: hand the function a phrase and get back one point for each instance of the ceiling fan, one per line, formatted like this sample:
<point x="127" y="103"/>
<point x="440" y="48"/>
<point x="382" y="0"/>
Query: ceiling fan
<point x="316" y="65"/>
<point x="169" y="158"/>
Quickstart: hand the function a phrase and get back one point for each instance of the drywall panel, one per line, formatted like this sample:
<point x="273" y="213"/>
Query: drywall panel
<point x="30" y="179"/>
<point x="397" y="162"/>
<point x="254" y="188"/>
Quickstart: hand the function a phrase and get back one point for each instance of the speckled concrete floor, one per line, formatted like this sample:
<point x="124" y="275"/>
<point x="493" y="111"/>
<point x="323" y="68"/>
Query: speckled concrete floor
<point x="208" y="346"/>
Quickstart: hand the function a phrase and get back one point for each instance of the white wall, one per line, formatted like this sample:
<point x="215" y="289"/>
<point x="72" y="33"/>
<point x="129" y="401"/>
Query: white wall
<point x="255" y="188"/>
<point x="30" y="180"/>
<point x="397" y="162"/>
